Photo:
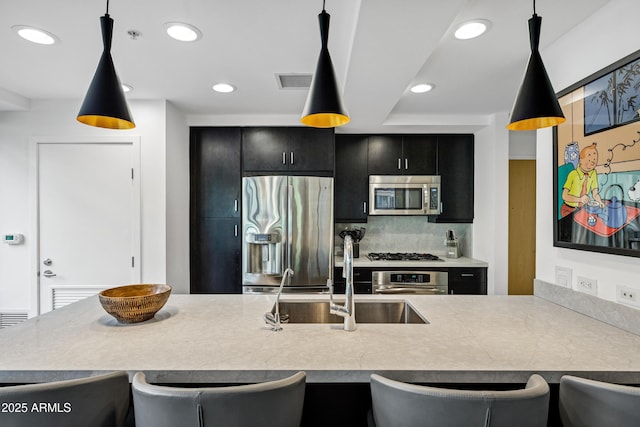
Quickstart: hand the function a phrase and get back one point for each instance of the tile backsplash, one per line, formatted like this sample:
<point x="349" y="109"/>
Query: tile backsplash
<point x="405" y="234"/>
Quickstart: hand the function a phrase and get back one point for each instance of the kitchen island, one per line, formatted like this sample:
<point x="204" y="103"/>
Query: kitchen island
<point x="223" y="339"/>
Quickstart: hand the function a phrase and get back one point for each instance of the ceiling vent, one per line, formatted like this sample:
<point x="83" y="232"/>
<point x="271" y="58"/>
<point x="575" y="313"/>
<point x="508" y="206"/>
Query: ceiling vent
<point x="294" y="81"/>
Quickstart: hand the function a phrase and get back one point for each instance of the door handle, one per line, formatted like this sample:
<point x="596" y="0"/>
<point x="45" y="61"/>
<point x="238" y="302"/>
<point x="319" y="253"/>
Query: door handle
<point x="48" y="273"/>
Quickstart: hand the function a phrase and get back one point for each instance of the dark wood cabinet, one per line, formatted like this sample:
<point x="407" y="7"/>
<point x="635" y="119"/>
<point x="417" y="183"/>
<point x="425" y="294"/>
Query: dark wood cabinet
<point x="385" y="155"/>
<point x="419" y="154"/>
<point x="402" y="154"/>
<point x="472" y="281"/>
<point x="455" y="166"/>
<point x="215" y="172"/>
<point x="216" y="181"/>
<point x="351" y="184"/>
<point x="216" y="256"/>
<point x="288" y="150"/>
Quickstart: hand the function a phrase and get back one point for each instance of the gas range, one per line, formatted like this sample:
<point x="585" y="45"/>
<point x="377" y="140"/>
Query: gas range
<point x="402" y="256"/>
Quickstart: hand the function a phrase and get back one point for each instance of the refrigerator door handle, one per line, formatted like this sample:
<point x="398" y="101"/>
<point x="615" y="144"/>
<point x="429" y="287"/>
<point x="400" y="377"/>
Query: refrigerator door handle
<point x="289" y="225"/>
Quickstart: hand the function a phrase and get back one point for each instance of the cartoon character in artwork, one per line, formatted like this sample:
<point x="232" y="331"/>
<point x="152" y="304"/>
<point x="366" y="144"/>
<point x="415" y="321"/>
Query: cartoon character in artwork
<point x="582" y="182"/>
<point x="634" y="192"/>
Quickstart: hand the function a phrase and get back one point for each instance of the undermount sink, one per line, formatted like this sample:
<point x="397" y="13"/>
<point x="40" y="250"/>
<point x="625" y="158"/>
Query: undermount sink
<point x="400" y="312"/>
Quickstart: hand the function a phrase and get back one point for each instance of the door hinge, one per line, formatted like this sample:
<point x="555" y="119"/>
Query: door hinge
<point x="132" y="174"/>
<point x="133" y="262"/>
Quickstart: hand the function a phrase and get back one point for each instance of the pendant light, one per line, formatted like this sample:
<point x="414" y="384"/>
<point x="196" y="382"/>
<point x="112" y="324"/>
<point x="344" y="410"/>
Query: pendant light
<point x="104" y="105"/>
<point x="324" y="107"/>
<point x="536" y="104"/>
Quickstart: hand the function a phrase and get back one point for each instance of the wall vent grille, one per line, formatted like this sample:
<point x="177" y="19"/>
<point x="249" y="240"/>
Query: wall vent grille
<point x="66" y="296"/>
<point x="294" y="81"/>
<point x="10" y="319"/>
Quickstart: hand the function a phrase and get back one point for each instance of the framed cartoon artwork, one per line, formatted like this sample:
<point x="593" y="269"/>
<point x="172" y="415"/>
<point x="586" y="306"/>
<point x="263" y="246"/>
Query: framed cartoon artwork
<point x="596" y="154"/>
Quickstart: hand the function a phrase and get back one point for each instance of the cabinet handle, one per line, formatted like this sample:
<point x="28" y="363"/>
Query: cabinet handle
<point x="284" y="158"/>
<point x="235" y="230"/>
<point x="292" y="157"/>
<point x="235" y="205"/>
<point x="406" y="163"/>
<point x="467" y="275"/>
<point x="399" y="163"/>
<point x="364" y="207"/>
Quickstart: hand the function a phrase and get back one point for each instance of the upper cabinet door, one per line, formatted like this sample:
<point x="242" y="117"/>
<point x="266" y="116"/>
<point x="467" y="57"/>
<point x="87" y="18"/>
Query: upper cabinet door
<point x="455" y="166"/>
<point x="385" y="155"/>
<point x="419" y="154"/>
<point x="288" y="150"/>
<point x="264" y="150"/>
<point x="215" y="172"/>
<point x="351" y="187"/>
<point x="311" y="150"/>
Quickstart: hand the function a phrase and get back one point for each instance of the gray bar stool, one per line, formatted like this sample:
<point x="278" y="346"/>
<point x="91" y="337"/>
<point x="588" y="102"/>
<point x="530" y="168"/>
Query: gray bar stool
<point x="274" y="403"/>
<point x="100" y="401"/>
<point x="586" y="403"/>
<point x="398" y="404"/>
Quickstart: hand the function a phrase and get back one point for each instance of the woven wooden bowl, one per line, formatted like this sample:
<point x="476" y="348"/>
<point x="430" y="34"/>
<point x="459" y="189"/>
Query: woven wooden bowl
<point x="134" y="303"/>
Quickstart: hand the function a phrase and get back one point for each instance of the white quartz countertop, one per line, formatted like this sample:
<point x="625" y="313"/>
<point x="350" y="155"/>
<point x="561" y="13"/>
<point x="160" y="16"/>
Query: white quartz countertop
<point x="223" y="339"/>
<point x="461" y="262"/>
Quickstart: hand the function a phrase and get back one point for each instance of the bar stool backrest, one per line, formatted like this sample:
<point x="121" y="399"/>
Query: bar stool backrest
<point x="398" y="404"/>
<point x="99" y="401"/>
<point x="586" y="403"/>
<point x="274" y="403"/>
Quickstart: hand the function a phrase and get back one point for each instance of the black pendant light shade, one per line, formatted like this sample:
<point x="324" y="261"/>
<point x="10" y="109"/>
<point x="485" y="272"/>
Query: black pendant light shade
<point x="536" y="104"/>
<point x="324" y="107"/>
<point x="105" y="105"/>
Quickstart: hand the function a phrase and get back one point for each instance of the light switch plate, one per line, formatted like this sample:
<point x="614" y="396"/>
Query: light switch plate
<point x="563" y="276"/>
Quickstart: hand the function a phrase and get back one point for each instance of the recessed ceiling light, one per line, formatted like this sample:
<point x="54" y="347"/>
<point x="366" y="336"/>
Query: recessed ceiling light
<point x="223" y="88"/>
<point x="35" y="35"/>
<point x="183" y="32"/>
<point x="472" y="29"/>
<point x="126" y="88"/>
<point x="422" y="88"/>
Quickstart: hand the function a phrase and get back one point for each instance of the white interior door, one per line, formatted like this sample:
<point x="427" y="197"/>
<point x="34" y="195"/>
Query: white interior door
<point x="88" y="219"/>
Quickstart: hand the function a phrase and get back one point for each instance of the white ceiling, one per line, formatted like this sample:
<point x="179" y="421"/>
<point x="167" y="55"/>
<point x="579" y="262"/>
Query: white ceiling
<point x="379" y="49"/>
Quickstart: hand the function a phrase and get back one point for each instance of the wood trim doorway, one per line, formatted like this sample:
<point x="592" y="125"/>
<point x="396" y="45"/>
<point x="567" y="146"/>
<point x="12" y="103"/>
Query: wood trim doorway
<point x="522" y="226"/>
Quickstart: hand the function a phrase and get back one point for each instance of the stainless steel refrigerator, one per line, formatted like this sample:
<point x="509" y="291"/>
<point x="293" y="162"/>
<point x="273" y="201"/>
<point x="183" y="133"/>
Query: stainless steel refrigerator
<point x="287" y="222"/>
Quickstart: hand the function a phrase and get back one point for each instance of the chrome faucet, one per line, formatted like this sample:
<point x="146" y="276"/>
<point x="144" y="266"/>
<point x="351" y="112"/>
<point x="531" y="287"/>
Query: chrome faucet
<point x="348" y="311"/>
<point x="273" y="319"/>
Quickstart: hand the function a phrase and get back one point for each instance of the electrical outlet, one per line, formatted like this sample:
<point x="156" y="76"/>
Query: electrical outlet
<point x="627" y="295"/>
<point x="563" y="276"/>
<point x="588" y="286"/>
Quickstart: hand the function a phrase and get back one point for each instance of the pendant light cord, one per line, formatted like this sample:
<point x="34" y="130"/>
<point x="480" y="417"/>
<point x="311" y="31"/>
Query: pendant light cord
<point x="323" y="2"/>
<point x="108" y="6"/>
<point x="534" y="7"/>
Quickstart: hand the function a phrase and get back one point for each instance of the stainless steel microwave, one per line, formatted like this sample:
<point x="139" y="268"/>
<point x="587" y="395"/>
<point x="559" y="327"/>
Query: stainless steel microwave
<point x="404" y="195"/>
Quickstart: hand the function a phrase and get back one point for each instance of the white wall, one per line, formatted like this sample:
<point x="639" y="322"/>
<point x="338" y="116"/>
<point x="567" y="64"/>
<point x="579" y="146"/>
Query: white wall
<point x="522" y="145"/>
<point x="491" y="200"/>
<point x="56" y="119"/>
<point x="177" y="182"/>
<point x="597" y="42"/>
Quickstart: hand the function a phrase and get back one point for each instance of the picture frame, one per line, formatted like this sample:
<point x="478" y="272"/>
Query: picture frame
<point x="596" y="157"/>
